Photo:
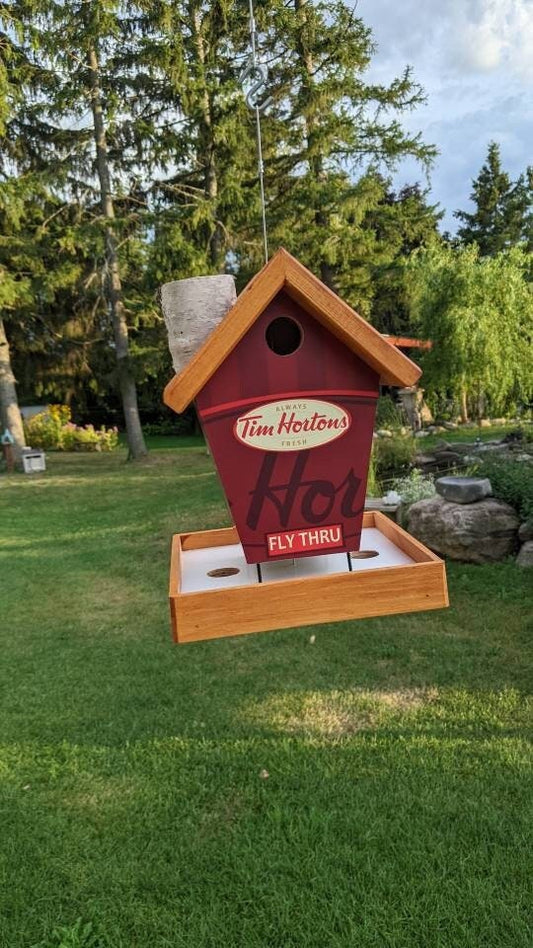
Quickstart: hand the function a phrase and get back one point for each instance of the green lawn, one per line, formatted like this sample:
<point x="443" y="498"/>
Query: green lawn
<point x="398" y="804"/>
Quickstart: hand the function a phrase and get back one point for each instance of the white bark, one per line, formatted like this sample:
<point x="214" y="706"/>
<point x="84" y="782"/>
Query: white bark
<point x="192" y="308"/>
<point x="10" y="416"/>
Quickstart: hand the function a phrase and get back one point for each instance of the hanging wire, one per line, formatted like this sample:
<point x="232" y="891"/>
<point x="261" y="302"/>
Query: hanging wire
<point x="258" y="74"/>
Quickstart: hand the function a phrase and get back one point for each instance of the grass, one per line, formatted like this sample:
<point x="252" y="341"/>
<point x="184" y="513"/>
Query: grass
<point x="136" y="810"/>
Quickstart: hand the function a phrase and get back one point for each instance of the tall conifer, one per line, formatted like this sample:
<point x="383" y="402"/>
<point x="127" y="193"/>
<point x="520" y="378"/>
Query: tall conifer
<point x="503" y="214"/>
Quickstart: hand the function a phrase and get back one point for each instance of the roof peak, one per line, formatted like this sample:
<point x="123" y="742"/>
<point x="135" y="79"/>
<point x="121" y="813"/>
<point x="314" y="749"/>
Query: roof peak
<point x="284" y="272"/>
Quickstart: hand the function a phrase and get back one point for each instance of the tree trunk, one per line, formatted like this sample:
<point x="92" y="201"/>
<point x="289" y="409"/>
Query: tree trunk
<point x="464" y="407"/>
<point x="128" y="390"/>
<point x="9" y="406"/>
<point x="208" y="148"/>
<point x="316" y="162"/>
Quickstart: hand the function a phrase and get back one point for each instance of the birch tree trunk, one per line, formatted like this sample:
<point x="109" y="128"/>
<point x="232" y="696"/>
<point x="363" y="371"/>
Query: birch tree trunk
<point x="464" y="406"/>
<point x="128" y="390"/>
<point x="9" y="406"/>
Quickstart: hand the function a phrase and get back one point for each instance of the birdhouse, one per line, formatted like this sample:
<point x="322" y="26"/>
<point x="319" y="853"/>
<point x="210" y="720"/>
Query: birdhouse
<point x="285" y="387"/>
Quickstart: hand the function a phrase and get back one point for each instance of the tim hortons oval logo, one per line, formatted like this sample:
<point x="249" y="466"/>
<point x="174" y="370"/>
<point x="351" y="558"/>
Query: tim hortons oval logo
<point x="292" y="425"/>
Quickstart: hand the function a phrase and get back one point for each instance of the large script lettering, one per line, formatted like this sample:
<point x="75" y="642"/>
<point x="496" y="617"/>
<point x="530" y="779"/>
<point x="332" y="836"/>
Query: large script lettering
<point x="314" y="498"/>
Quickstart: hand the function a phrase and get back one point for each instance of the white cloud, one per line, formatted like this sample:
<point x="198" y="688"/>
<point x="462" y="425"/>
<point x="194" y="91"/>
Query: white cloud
<point x="458" y="35"/>
<point x="490" y="34"/>
<point x="474" y="59"/>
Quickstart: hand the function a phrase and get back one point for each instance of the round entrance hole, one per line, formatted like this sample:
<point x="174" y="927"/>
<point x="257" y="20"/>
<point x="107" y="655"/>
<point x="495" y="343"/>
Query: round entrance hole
<point x="284" y="335"/>
<point x="223" y="571"/>
<point x="363" y="554"/>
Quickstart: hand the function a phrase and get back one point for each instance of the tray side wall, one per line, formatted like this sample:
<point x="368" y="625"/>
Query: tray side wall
<point x="238" y="611"/>
<point x="388" y="591"/>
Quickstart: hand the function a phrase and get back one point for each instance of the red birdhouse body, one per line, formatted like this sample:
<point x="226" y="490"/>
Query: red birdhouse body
<point x="291" y="433"/>
<point x="286" y="388"/>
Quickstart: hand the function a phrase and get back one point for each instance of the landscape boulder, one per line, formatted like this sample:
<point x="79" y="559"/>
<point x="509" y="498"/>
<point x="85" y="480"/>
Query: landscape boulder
<point x="525" y="532"/>
<point x="483" y="532"/>
<point x="463" y="490"/>
<point x="525" y="557"/>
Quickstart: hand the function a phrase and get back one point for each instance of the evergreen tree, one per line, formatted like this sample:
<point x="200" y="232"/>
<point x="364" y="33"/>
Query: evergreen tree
<point x="339" y="129"/>
<point x="82" y="53"/>
<point x="401" y="223"/>
<point x="503" y="215"/>
<point x="14" y="70"/>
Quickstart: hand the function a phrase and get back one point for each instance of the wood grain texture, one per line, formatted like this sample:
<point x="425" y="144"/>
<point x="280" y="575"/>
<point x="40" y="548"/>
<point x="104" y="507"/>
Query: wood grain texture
<point x="225" y="536"/>
<point x="192" y="309"/>
<point x="408" y="544"/>
<point x="284" y="272"/>
<point x="218" y="613"/>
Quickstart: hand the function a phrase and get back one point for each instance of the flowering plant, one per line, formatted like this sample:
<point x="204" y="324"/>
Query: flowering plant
<point x="415" y="486"/>
<point x="53" y="430"/>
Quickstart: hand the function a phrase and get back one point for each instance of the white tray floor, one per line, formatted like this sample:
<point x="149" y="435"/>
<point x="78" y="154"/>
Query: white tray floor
<point x="197" y="563"/>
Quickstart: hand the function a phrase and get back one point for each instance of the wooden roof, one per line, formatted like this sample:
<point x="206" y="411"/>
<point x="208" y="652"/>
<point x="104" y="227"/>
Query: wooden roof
<point x="283" y="272"/>
<point x="406" y="342"/>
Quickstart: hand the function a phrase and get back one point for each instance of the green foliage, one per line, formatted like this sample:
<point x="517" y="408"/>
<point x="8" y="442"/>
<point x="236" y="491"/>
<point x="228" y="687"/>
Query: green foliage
<point x="503" y="215"/>
<point x="181" y="157"/>
<point x="479" y="314"/>
<point x="373" y="487"/>
<point x="393" y="457"/>
<point x="79" y="935"/>
<point x="415" y="486"/>
<point x="388" y="413"/>
<point x="53" y="430"/>
<point x="328" y="204"/>
<point x="512" y="481"/>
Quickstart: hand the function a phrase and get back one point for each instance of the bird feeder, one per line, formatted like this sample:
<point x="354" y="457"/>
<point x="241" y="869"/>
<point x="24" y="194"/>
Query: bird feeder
<point x="285" y="386"/>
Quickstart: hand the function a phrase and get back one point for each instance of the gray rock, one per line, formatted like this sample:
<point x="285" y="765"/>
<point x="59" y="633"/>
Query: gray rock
<point x="484" y="532"/>
<point x="489" y="446"/>
<point x="449" y="458"/>
<point x="384" y="433"/>
<point x="525" y="557"/>
<point x="463" y="447"/>
<point x="450" y="425"/>
<point x="525" y="532"/>
<point x="463" y="490"/>
<point x="421" y="434"/>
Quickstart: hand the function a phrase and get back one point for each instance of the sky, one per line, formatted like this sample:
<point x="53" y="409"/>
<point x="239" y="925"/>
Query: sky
<point x="474" y="59"/>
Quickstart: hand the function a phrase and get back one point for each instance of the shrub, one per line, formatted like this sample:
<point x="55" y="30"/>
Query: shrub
<point x="512" y="481"/>
<point x="373" y="488"/>
<point x="181" y="425"/>
<point x="415" y="486"/>
<point x="45" y="429"/>
<point x="393" y="457"/>
<point x="388" y="413"/>
<point x="53" y="430"/>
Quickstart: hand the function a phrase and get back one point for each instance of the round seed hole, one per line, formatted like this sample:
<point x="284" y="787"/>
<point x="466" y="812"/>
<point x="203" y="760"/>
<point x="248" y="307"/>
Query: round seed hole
<point x="284" y="335"/>
<point x="223" y="571"/>
<point x="363" y="554"/>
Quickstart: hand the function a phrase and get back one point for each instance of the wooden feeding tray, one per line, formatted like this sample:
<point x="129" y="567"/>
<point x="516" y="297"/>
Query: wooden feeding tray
<point x="214" y="592"/>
